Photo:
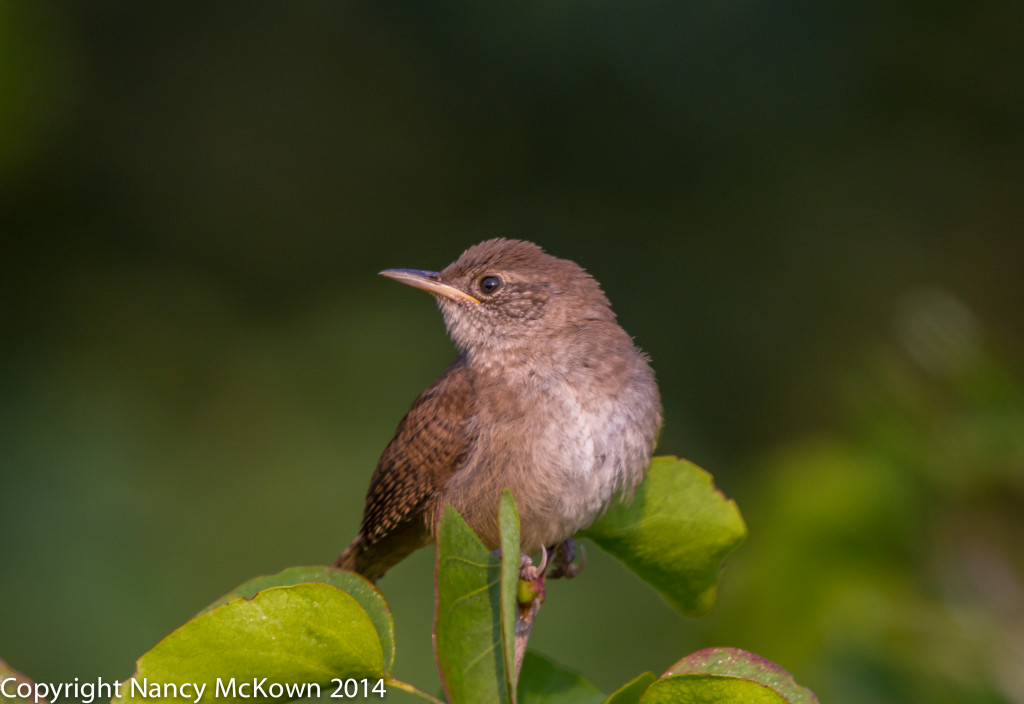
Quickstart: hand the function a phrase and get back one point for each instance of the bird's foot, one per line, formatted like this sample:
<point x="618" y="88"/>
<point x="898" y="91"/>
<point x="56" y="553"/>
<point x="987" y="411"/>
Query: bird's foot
<point x="565" y="553"/>
<point x="531" y="588"/>
<point x="529" y="572"/>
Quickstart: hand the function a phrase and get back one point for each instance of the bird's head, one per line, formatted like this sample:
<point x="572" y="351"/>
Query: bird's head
<point x="509" y="293"/>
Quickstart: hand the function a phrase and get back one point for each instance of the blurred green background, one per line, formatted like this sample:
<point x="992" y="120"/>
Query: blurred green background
<point x="809" y="214"/>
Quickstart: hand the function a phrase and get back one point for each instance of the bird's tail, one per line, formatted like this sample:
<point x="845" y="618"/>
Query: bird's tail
<point x="372" y="560"/>
<point x="347" y="559"/>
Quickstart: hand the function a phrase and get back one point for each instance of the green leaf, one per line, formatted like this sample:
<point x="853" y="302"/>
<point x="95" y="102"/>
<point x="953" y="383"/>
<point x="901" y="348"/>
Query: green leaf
<point x="709" y="689"/>
<point x="356" y="586"/>
<point x="543" y="681"/>
<point x="674" y="534"/>
<point x="298" y="635"/>
<point x="508" y="528"/>
<point x="631" y="692"/>
<point x="740" y="663"/>
<point x="469" y="639"/>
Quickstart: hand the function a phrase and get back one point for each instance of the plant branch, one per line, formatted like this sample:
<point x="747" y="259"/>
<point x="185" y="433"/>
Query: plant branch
<point x="524" y="624"/>
<point x="529" y="597"/>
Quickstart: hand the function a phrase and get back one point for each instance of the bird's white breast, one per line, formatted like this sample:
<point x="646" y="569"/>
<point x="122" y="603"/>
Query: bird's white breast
<point x="564" y="451"/>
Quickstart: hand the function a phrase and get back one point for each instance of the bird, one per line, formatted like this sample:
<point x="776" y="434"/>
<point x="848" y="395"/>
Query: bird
<point x="548" y="397"/>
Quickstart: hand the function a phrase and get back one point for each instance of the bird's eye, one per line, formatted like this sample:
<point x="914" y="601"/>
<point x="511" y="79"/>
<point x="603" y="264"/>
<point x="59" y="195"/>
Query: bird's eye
<point x="490" y="284"/>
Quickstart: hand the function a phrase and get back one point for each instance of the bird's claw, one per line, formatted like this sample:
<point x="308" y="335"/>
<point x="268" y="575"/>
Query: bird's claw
<point x="529" y="572"/>
<point x="564" y="566"/>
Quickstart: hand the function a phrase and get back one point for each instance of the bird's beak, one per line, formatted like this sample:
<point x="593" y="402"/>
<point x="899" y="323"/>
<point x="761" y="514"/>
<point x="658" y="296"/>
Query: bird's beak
<point x="428" y="281"/>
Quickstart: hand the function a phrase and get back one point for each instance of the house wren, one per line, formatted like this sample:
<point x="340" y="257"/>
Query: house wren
<point x="548" y="397"/>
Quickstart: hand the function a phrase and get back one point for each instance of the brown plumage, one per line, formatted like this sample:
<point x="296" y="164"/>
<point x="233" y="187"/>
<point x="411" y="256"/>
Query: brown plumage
<point x="548" y="397"/>
<point x="428" y="446"/>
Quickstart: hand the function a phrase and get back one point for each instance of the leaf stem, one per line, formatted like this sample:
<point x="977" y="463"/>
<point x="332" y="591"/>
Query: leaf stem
<point x="406" y="687"/>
